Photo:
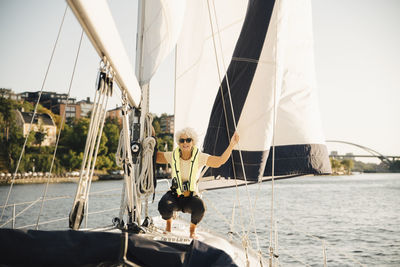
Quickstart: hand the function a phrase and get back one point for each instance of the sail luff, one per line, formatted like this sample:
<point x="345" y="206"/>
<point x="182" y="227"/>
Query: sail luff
<point x="197" y="77"/>
<point x="96" y="19"/>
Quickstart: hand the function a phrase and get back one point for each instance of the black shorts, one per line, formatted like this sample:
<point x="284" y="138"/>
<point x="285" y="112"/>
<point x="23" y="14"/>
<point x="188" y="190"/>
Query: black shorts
<point x="170" y="202"/>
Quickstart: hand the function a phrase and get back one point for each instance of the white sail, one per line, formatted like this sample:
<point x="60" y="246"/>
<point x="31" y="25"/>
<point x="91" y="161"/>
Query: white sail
<point x="268" y="91"/>
<point x="197" y="73"/>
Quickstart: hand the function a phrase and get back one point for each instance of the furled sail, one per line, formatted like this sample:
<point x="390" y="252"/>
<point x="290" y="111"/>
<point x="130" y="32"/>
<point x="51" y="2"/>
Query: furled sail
<point x="270" y="85"/>
<point x="162" y="22"/>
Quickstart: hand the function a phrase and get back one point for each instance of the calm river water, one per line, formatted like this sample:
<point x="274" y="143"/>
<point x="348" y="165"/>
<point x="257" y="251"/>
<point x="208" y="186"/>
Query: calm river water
<point x="357" y="217"/>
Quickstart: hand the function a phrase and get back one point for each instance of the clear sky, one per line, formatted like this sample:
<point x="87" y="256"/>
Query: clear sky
<point x="357" y="60"/>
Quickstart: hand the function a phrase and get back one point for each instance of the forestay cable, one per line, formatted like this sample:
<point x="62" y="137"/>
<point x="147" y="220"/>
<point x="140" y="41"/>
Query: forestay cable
<point x="59" y="133"/>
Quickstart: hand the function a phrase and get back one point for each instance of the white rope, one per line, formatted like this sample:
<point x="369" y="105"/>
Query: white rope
<point x="145" y="181"/>
<point x="107" y="93"/>
<point x="124" y="159"/>
<point x="271" y="249"/>
<point x="34" y="113"/>
<point x="92" y="143"/>
<point x="119" y="162"/>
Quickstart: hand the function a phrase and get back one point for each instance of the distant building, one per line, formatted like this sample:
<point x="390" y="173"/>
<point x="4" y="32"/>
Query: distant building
<point x="115" y="113"/>
<point x="49" y="100"/>
<point x="41" y="123"/>
<point x="167" y="124"/>
<point x="9" y="94"/>
<point x="57" y="103"/>
<point x="85" y="107"/>
<point x="334" y="154"/>
<point x="349" y="156"/>
<point x="71" y="110"/>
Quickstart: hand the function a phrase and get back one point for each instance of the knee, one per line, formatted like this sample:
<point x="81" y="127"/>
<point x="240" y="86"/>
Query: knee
<point x="198" y="212"/>
<point x="166" y="207"/>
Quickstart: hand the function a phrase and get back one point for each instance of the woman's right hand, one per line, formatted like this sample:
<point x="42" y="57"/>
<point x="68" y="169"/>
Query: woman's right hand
<point x="235" y="138"/>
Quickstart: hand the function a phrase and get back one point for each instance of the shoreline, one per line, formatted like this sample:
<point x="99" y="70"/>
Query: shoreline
<point x="42" y="180"/>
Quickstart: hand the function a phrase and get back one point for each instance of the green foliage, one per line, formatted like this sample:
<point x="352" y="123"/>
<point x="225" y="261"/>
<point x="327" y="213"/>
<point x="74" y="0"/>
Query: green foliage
<point x="348" y="165"/>
<point x="165" y="141"/>
<point x="71" y="146"/>
<point x="395" y="166"/>
<point x="157" y="127"/>
<point x="72" y="142"/>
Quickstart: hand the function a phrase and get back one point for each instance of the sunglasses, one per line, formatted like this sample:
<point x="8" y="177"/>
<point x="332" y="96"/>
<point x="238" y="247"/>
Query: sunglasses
<point x="183" y="140"/>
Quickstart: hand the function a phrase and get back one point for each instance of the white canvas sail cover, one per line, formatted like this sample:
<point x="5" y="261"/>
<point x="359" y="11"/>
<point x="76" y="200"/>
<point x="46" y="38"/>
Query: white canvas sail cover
<point x="96" y="19"/>
<point x="271" y="69"/>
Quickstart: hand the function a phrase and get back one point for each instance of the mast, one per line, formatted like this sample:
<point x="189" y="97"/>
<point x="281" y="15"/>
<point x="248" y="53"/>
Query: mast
<point x="137" y="134"/>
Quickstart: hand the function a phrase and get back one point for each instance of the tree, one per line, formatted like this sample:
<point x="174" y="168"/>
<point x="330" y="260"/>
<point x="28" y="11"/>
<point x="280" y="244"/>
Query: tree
<point x="112" y="131"/>
<point x="395" y="166"/>
<point x="39" y="137"/>
<point x="348" y="165"/>
<point x="7" y="107"/>
<point x="335" y="164"/>
<point x="157" y="127"/>
<point x="71" y="160"/>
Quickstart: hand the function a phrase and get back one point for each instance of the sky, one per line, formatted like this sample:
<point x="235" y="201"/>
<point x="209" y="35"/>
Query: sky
<point x="357" y="59"/>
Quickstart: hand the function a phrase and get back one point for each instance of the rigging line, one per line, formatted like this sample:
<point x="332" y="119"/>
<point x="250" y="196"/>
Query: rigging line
<point x="273" y="136"/>
<point x="93" y="113"/>
<point x="59" y="133"/>
<point x="223" y="217"/>
<point x="34" y="112"/>
<point x="223" y="104"/>
<point x="295" y="258"/>
<point x="64" y="218"/>
<point x="92" y="137"/>
<point x="81" y="173"/>
<point x="145" y="184"/>
<point x="64" y="197"/>
<point x="234" y="122"/>
<point x="99" y="135"/>
<point x="218" y="68"/>
<point x="93" y="123"/>
<point x="21" y="212"/>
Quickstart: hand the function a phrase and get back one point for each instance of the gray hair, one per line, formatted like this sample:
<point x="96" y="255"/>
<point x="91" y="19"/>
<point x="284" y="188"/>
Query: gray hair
<point x="189" y="132"/>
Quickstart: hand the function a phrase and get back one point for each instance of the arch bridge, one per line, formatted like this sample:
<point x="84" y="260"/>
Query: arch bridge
<point x="373" y="153"/>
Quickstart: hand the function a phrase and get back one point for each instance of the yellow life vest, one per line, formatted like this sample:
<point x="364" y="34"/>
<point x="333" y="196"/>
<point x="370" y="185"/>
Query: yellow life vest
<point x="176" y="170"/>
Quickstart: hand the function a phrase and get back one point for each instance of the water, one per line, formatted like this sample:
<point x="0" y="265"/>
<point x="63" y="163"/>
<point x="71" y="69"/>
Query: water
<point x="357" y="217"/>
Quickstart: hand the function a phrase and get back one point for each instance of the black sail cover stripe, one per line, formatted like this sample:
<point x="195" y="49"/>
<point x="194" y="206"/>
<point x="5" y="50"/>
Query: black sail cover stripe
<point x="240" y="76"/>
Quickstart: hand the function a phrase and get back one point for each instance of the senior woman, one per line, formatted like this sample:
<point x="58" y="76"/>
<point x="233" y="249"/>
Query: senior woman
<point x="186" y="161"/>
